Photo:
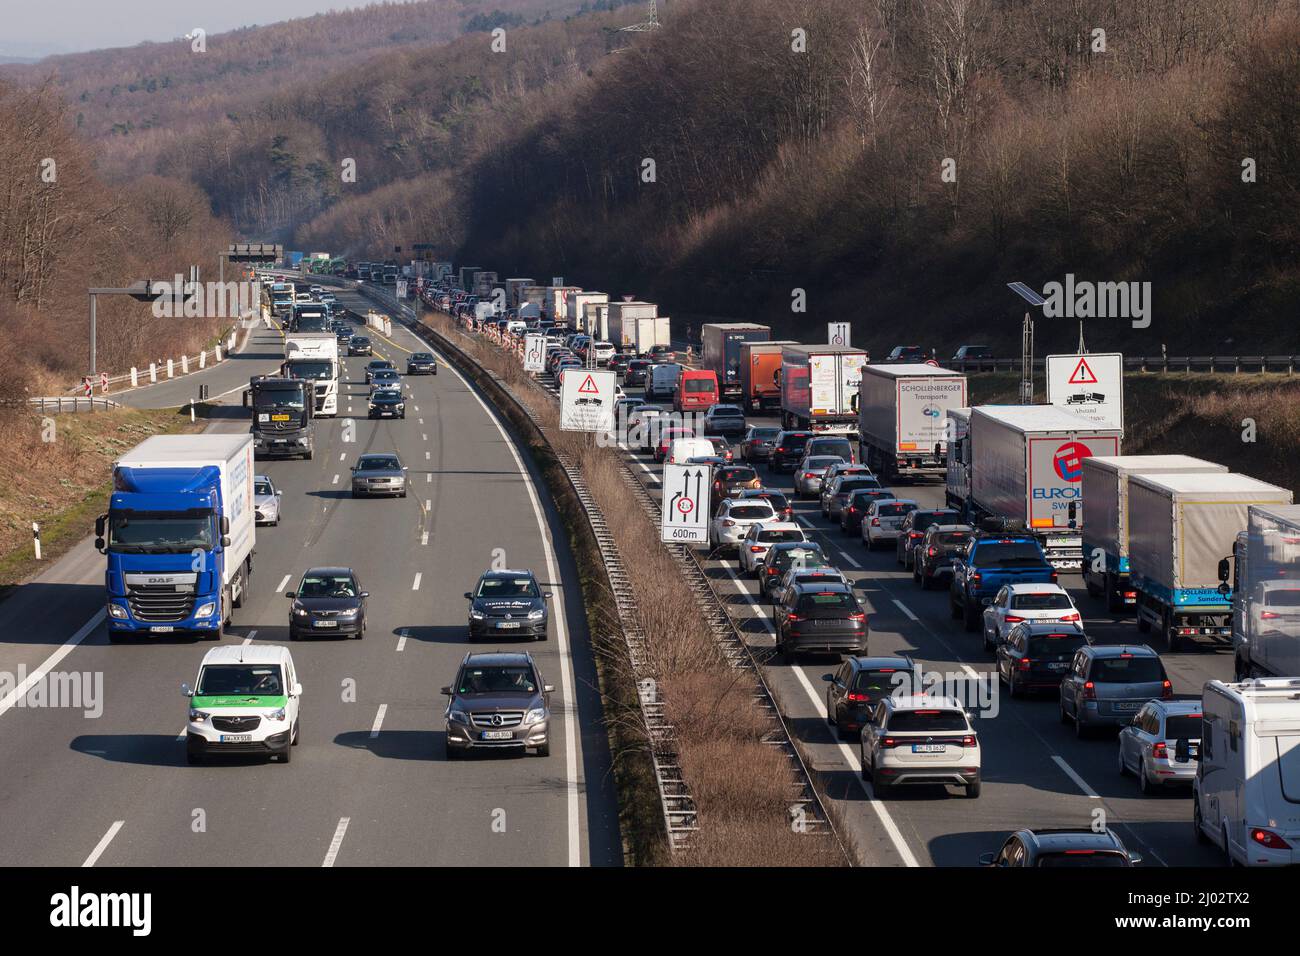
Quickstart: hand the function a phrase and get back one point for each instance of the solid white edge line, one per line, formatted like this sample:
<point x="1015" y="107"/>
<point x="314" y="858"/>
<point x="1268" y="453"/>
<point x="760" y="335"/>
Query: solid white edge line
<point x="332" y="854"/>
<point x="20" y="692"/>
<point x="401" y="640"/>
<point x="379" y="721"/>
<point x="104" y="841"/>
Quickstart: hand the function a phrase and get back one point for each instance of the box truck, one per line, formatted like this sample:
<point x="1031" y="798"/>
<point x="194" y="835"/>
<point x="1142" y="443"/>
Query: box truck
<point x="1180" y="527"/>
<point x="720" y="344"/>
<point x="515" y="291"/>
<point x="957" y="458"/>
<point x="1105" y="536"/>
<point x="315" y="356"/>
<point x="760" y="374"/>
<point x="1027" y="466"/>
<point x="283" y="421"/>
<point x="575" y="308"/>
<point x="819" y="386"/>
<point x="483" y="283"/>
<point x="178" y="535"/>
<point x="624" y="323"/>
<point x="1266" y="594"/>
<point x="595" y="321"/>
<point x="557" y="301"/>
<point x="902" y="411"/>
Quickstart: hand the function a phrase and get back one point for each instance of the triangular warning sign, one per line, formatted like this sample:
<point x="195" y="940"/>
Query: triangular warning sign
<point x="1082" y="374"/>
<point x="588" y="387"/>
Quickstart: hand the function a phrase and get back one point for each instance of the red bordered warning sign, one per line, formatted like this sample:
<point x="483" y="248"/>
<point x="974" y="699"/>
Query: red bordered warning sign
<point x="1083" y="374"/>
<point x="588" y="387"/>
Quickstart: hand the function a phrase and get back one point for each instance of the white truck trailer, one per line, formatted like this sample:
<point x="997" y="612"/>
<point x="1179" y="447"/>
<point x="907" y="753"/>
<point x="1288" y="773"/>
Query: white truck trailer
<point x="819" y="386"/>
<point x="902" y="411"/>
<point x="575" y="308"/>
<point x="1266" y="594"/>
<point x="631" y="323"/>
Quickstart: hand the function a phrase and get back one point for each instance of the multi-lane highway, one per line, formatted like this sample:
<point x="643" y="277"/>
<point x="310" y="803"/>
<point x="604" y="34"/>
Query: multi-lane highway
<point x="369" y="784"/>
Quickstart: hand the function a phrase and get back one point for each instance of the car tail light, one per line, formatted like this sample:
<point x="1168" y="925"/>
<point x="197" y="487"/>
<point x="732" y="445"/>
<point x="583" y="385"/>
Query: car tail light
<point x="1025" y="664"/>
<point x="793" y="617"/>
<point x="1268" y="616"/>
<point x="932" y="551"/>
<point x="1071" y="617"/>
<point x="887" y="743"/>
<point x="1012" y="619"/>
<point x="780" y="449"/>
<point x="853" y="510"/>
<point x="976" y="578"/>
<point x="1130" y="595"/>
<point x="1269" y="839"/>
<point x="1167" y="690"/>
<point x="809" y="474"/>
<point x="915" y="534"/>
<point x="856" y="698"/>
<point x="1089" y="690"/>
<point x="969" y="741"/>
<point x="857" y="617"/>
<point x="755" y="549"/>
<point x="875" y="522"/>
<point x="1159" y="751"/>
<point x="1053" y="579"/>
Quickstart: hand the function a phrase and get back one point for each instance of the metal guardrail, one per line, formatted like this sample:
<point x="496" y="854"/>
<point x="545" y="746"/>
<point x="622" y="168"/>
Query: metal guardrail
<point x="805" y="806"/>
<point x="58" y="404"/>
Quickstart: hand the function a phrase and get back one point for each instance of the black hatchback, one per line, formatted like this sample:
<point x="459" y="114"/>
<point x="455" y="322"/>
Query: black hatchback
<point x="507" y="604"/>
<point x="328" y="602"/>
<point x="860" y="683"/>
<point x="636" y="372"/>
<point x="789" y="450"/>
<point x="1035" y="656"/>
<point x="820" y="617"/>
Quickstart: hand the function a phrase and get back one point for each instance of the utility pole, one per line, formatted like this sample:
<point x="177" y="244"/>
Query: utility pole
<point x="651" y="24"/>
<point x="1027" y="341"/>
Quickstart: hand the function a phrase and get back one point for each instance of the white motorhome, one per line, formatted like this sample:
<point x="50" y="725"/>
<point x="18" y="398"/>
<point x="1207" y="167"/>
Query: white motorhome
<point x="1246" y="795"/>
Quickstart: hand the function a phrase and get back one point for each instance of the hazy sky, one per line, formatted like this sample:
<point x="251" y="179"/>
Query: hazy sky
<point x="68" y="26"/>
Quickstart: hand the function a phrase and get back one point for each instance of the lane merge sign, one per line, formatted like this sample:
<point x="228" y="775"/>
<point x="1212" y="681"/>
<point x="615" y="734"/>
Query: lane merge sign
<point x="1091" y="385"/>
<point x="684" y="517"/>
<point x="587" y="400"/>
<point x="839" y="333"/>
<point x="534" y="352"/>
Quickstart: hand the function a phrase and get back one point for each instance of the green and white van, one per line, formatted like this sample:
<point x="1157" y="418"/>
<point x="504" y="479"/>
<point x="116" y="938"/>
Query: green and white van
<point x="244" y="701"/>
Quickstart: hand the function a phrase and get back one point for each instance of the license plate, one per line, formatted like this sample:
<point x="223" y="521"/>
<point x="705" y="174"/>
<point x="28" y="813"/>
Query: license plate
<point x="162" y="629"/>
<point x="497" y="734"/>
<point x="325" y="623"/>
<point x="1060" y="666"/>
<point x="1059" y="542"/>
<point x="281" y="441"/>
<point x="928" y="748"/>
<point x="236" y="738"/>
<point x="507" y="624"/>
<point x="279" y="418"/>
<point x="1126" y="706"/>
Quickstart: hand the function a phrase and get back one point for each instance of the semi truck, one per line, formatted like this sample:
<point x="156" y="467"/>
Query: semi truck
<point x="557" y="301"/>
<point x="1105" y="536"/>
<point x="819" y="386"/>
<point x="575" y="308"/>
<point x="902" y="411"/>
<point x="515" y="290"/>
<point x="633" y="324"/>
<point x="283" y="421"/>
<point x="720" y="344"/>
<point x="1026" y="465"/>
<point x="309" y="317"/>
<point x="760" y="374"/>
<point x="314" y="356"/>
<point x="1266" y="594"/>
<point x="467" y="274"/>
<point x="957" y="457"/>
<point x="595" y="320"/>
<point x="179" y="535"/>
<point x="1181" y="527"/>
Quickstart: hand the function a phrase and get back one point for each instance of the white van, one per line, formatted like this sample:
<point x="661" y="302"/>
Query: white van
<point x="1246" y="795"/>
<point x="244" y="701"/>
<point x="663" y="381"/>
<point x="682" y="449"/>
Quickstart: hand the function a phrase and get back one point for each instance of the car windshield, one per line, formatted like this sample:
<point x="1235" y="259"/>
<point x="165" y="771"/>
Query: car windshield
<point x="923" y="519"/>
<point x="927" y="721"/>
<point x="1183" y="727"/>
<point x="1282" y="597"/>
<point x="883" y="681"/>
<point x="507" y="588"/>
<point x="1006" y="554"/>
<point x="360" y="340"/>
<point x="1126" y="670"/>
<point x="752" y="512"/>
<point x="379" y="463"/>
<point x="890" y="509"/>
<point x="826" y="600"/>
<point x="160" y="532"/>
<point x="801" y="558"/>
<point x="263" y="488"/>
<point x="773" y="537"/>
<point x="820" y="462"/>
<point x="794" y="442"/>
<point x="776" y="500"/>
<point x="421" y="357"/>
<point x="327" y="586"/>
<point x="764" y="434"/>
<point x="737" y="474"/>
<point x="949" y="540"/>
<point x="1085" y="858"/>
<point x="867" y="495"/>
<point x="240" y="680"/>
<point x="1041" y="602"/>
<point x="726" y="411"/>
<point x="840" y="448"/>
<point x="849" y="485"/>
<point x="497" y="679"/>
<point x="1049" y="645"/>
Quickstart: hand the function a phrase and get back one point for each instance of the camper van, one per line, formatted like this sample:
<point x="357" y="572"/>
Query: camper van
<point x="1246" y="795"/>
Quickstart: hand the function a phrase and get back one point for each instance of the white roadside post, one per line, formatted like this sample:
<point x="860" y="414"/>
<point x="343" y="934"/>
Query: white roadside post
<point x="36" y="539"/>
<point x="203" y="359"/>
<point x="153" y="372"/>
<point x="185" y="365"/>
<point x="169" y="368"/>
<point x="135" y="381"/>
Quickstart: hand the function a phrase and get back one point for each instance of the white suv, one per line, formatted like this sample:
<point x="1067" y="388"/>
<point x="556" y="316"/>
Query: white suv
<point x="734" y="518"/>
<point x="1038" y="603"/>
<point x="920" y="739"/>
<point x="753" y="547"/>
<point x="245" y="701"/>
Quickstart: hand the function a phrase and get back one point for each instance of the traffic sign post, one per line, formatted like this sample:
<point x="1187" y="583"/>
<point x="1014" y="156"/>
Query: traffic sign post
<point x="587" y="401"/>
<point x="1091" y="385"/>
<point x="534" y="352"/>
<point x="839" y="333"/>
<point x="684" y="517"/>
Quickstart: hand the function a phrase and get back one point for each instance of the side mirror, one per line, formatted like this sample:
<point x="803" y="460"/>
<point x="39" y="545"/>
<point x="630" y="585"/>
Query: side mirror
<point x="548" y="688"/>
<point x="99" y="528"/>
<point x="186" y="690"/>
<point x="225" y="525"/>
<point x="446" y="692"/>
<point x="469" y="596"/>
<point x="99" y="544"/>
<point x="1223" y="569"/>
<point x="828" y="677"/>
<point x="986" y="859"/>
<point x="225" y="539"/>
<point x="291" y="594"/>
<point x="297" y="690"/>
<point x="1135" y="858"/>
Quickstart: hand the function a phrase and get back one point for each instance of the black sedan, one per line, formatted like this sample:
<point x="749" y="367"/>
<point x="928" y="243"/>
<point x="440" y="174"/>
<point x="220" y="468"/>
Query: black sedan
<point x="507" y="604"/>
<point x="378" y="365"/>
<point x="387" y="403"/>
<point x="328" y="602"/>
<point x="359" y="345"/>
<point x="421" y="363"/>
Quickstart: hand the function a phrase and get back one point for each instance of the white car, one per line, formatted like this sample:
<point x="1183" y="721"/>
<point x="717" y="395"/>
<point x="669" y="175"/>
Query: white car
<point x="734" y="519"/>
<point x="1147" y="746"/>
<point x="1040" y="603"/>
<point x="266" y="500"/>
<point x="244" y="701"/>
<point x="920" y="739"/>
<point x="760" y="537"/>
<point x="881" y="521"/>
<point x="603" y="351"/>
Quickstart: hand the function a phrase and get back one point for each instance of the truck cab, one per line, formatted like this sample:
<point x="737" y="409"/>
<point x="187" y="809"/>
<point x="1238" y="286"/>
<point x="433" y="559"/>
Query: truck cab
<point x="282" y="416"/>
<point x="993" y="558"/>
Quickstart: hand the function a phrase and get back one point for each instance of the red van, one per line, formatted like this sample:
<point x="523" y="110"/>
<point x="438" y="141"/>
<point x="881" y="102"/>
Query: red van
<point x="697" y="390"/>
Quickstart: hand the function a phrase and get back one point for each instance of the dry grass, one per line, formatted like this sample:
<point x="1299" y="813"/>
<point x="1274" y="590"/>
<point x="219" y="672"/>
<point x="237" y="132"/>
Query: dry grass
<point x="742" y="787"/>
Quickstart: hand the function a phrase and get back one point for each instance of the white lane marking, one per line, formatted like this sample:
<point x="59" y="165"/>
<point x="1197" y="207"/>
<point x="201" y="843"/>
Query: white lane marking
<point x="107" y="838"/>
<point x="420" y="421"/>
<point x="428" y="505"/>
<point x="424" y="538"/>
<point x="342" y="455"/>
<point x="427" y="454"/>
<point x="428" y="478"/>
<point x="1078" y="781"/>
<point x="20" y="692"/>
<point x="335" y="481"/>
<point x="851" y="758"/>
<point x="415" y="586"/>
<point x="332" y="854"/>
<point x="640" y="464"/>
<point x="181" y="736"/>
<point x="283" y="582"/>
<point x="379" y="721"/>
<point x="906" y="610"/>
<point x="401" y="640"/>
<point x="567" y="680"/>
<point x="251" y="634"/>
<point x="849" y="558"/>
<point x="424" y="437"/>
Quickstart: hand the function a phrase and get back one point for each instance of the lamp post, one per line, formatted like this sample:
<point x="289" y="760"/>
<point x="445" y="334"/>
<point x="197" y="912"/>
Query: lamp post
<point x="1027" y="342"/>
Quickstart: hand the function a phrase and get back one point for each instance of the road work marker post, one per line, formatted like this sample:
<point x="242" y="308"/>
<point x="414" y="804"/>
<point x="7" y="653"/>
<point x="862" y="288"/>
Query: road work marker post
<point x="203" y="359"/>
<point x="135" y="380"/>
<point x="218" y="351"/>
<point x="153" y="372"/>
<point x="169" y="368"/>
<point x="36" y="539"/>
<point x="191" y="410"/>
<point x="185" y="365"/>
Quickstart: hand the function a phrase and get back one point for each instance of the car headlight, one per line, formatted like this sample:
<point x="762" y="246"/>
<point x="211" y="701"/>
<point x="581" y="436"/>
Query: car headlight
<point x="204" y="610"/>
<point x="276" y="715"/>
<point x="299" y="610"/>
<point x="401" y="406"/>
<point x="117" y="611"/>
<point x="198" y="716"/>
<point x="537" y="615"/>
<point x="458" y="716"/>
<point x="535" y="716"/>
<point x="349" y="612"/>
<point x="476" y="615"/>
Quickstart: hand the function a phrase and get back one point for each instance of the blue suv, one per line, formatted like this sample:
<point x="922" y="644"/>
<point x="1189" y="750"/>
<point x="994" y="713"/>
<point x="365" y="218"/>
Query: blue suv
<point x="991" y="559"/>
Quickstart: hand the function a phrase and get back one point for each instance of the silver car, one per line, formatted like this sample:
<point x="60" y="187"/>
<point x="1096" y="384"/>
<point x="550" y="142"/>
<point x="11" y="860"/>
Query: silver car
<point x="1108" y="684"/>
<point x="266" y="500"/>
<point x="883" y="519"/>
<point x="1148" y="746"/>
<point x="809" y="473"/>
<point x="378" y="473"/>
